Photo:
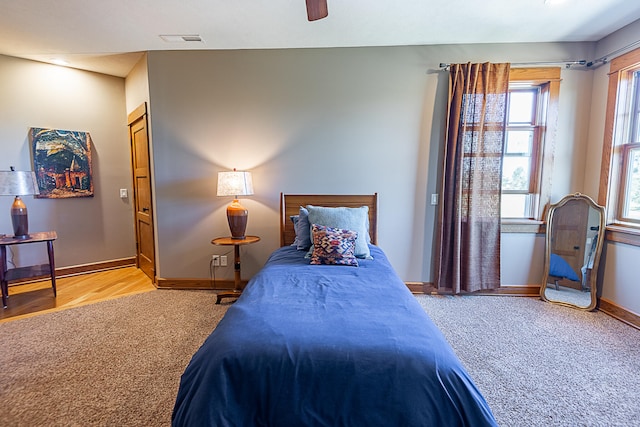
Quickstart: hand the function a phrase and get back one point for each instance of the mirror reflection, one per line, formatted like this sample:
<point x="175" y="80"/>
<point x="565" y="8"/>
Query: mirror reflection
<point x="575" y="228"/>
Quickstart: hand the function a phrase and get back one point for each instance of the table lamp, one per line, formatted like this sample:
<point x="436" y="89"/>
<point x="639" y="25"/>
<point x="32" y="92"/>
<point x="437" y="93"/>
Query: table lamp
<point x="18" y="183"/>
<point x="236" y="183"/>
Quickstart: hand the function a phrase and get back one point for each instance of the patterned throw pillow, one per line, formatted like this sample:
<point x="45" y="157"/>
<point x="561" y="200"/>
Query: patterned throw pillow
<point x="333" y="246"/>
<point x="356" y="219"/>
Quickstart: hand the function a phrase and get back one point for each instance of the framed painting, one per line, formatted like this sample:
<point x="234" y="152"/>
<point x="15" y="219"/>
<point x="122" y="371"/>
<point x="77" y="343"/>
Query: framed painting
<point x="62" y="162"/>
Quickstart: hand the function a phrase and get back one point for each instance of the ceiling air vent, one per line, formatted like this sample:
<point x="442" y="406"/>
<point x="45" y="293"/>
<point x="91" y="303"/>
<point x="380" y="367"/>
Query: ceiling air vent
<point x="181" y="38"/>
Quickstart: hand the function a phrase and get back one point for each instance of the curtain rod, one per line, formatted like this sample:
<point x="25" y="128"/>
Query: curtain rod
<point x="567" y="64"/>
<point x="595" y="63"/>
<point x="605" y="58"/>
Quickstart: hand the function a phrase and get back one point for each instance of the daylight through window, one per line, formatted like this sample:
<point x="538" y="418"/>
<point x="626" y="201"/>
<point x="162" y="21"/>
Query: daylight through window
<point x="532" y="118"/>
<point x="629" y="197"/>
<point x="519" y="159"/>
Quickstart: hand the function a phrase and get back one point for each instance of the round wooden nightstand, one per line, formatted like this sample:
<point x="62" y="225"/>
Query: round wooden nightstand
<point x="236" y="243"/>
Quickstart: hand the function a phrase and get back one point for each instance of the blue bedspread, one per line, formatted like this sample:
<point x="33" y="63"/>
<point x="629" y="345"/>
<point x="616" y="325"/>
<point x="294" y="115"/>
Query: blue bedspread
<point x="320" y="345"/>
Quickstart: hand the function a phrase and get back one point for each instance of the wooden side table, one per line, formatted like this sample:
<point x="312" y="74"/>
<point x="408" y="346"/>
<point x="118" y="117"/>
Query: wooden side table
<point x="7" y="275"/>
<point x="236" y="243"/>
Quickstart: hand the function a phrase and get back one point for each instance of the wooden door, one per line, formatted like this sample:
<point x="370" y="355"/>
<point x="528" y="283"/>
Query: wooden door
<point x="143" y="206"/>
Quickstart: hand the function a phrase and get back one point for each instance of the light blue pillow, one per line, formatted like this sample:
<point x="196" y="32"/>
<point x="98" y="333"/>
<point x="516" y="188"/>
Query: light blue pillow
<point x="303" y="230"/>
<point x="294" y="219"/>
<point x="355" y="219"/>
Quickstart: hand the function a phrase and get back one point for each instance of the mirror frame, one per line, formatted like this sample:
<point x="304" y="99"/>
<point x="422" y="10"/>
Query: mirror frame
<point x="596" y="260"/>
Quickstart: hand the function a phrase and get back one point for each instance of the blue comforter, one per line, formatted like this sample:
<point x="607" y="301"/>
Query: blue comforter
<point x="321" y="345"/>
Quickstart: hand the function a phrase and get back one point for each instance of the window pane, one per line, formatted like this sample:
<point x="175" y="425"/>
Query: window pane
<point x="514" y="206"/>
<point x="521" y="107"/>
<point x="632" y="199"/>
<point x="522" y="145"/>
<point x="635" y="109"/>
<point x="519" y="142"/>
<point x="515" y="173"/>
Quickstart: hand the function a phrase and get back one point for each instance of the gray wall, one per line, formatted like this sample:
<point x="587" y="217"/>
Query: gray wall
<point x="349" y="120"/>
<point x="34" y="94"/>
<point x="318" y="121"/>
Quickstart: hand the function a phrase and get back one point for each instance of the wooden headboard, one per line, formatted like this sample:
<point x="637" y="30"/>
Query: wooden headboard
<point x="290" y="205"/>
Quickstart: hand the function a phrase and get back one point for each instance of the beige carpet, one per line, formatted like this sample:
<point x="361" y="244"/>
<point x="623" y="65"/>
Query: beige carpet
<point x="118" y="363"/>
<point x="541" y="364"/>
<point x="114" y="363"/>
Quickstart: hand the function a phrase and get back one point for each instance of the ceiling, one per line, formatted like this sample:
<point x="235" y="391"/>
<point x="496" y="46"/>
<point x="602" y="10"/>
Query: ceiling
<point x="108" y="36"/>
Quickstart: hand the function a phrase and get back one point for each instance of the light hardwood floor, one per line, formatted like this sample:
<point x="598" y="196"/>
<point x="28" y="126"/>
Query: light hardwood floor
<point x="30" y="299"/>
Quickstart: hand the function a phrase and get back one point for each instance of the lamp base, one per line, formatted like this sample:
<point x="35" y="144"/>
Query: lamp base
<point x="237" y="217"/>
<point x="19" y="219"/>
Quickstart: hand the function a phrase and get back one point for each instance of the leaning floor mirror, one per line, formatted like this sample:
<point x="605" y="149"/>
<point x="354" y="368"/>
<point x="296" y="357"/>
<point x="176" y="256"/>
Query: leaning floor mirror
<point x="575" y="232"/>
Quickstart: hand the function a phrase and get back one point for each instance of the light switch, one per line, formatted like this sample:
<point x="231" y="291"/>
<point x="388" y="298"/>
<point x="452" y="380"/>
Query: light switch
<point x="123" y="193"/>
<point x="434" y="199"/>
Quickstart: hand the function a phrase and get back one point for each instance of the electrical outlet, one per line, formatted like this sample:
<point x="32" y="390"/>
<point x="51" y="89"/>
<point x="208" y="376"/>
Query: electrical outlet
<point x="216" y="260"/>
<point x="223" y="260"/>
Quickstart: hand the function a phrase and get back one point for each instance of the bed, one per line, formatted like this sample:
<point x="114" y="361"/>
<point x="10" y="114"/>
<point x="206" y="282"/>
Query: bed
<point x="327" y="345"/>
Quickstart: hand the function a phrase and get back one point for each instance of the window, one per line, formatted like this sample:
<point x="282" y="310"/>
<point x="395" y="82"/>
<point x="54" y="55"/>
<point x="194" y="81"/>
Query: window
<point x="629" y="197"/>
<point x="529" y="120"/>
<point x="620" y="180"/>
<point x="520" y="158"/>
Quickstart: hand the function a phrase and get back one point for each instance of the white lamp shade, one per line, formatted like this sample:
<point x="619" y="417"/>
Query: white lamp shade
<point x="235" y="183"/>
<point x="18" y="183"/>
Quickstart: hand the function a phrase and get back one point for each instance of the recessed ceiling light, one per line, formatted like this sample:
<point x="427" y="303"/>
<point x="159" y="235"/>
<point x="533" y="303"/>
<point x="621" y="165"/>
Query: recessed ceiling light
<point x="180" y="38"/>
<point x="59" y="61"/>
<point x="552" y="2"/>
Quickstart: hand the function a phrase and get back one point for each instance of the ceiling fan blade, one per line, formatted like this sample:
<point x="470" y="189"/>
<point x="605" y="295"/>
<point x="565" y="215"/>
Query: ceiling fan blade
<point x="317" y="9"/>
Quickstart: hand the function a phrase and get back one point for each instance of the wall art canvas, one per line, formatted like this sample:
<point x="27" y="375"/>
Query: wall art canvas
<point x="62" y="162"/>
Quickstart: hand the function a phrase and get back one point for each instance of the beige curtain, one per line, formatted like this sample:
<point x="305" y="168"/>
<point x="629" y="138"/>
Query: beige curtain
<point x="469" y="224"/>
